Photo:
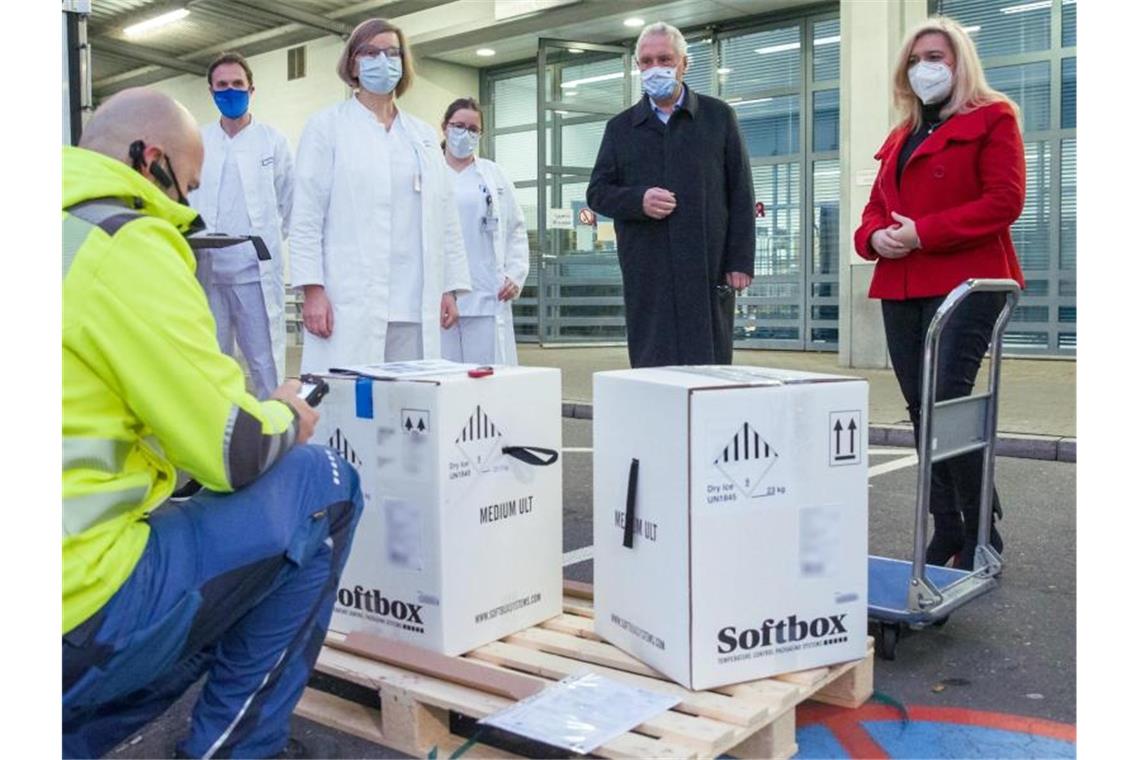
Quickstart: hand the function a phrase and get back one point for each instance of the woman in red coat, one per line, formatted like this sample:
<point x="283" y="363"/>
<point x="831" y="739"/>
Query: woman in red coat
<point x="951" y="182"/>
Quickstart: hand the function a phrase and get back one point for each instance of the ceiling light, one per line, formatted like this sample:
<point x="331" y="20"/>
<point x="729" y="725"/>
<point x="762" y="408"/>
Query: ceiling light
<point x="570" y="93"/>
<point x="633" y="23"/>
<point x="141" y="28"/>
<point x="577" y="51"/>
<point x="1025" y="7"/>
<point x="971" y="29"/>
<point x="778" y="48"/>
<point x="724" y="71"/>
<point x="826" y="40"/>
<point x="484" y="52"/>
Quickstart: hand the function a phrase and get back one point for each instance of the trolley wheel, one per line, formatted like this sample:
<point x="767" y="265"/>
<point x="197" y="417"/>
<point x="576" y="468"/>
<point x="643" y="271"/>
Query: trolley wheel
<point x="887" y="640"/>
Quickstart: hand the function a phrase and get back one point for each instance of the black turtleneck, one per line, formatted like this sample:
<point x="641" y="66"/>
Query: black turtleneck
<point x="930" y="121"/>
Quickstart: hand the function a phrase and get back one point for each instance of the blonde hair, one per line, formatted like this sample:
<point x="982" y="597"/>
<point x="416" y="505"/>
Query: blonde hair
<point x="365" y="31"/>
<point x="970" y="90"/>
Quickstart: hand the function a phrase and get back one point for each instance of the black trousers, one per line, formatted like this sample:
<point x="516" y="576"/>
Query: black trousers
<point x="956" y="484"/>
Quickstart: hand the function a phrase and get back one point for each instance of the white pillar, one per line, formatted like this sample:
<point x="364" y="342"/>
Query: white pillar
<point x="870" y="33"/>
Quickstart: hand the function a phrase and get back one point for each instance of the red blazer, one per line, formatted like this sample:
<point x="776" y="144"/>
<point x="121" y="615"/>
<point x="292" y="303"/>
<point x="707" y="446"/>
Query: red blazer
<point x="964" y="186"/>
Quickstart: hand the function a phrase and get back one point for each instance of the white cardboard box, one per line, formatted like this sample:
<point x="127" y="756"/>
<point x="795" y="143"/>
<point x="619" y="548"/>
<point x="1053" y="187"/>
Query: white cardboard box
<point x="749" y="547"/>
<point x="460" y="543"/>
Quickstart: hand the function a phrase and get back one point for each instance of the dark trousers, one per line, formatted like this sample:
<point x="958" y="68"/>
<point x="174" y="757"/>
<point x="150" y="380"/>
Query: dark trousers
<point x="956" y="484"/>
<point x="240" y="586"/>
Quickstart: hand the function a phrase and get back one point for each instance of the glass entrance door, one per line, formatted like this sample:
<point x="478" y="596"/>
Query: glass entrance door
<point x="580" y="86"/>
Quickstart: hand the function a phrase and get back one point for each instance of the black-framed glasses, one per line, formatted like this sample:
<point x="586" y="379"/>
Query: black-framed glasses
<point x="472" y="128"/>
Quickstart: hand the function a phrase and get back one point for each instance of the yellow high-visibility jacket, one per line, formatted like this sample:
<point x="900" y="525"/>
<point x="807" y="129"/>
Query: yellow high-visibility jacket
<point x="146" y="389"/>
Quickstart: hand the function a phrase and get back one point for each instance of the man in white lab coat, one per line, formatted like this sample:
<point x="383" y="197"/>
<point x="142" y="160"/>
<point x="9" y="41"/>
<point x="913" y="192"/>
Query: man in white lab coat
<point x="246" y="189"/>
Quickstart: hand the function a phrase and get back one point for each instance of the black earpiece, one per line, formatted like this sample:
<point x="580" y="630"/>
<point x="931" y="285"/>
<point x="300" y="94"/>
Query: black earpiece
<point x="160" y="175"/>
<point x="135" y="152"/>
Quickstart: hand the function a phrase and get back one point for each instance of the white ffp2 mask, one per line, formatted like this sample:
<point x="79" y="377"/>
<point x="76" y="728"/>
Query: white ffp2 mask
<point x="931" y="81"/>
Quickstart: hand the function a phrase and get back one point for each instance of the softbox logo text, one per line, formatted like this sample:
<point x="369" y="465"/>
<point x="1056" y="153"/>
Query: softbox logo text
<point x="785" y="631"/>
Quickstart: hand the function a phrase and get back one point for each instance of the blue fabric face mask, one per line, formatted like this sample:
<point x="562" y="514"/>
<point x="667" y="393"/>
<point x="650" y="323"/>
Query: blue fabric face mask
<point x="380" y="74"/>
<point x="232" y="103"/>
<point x="659" y="82"/>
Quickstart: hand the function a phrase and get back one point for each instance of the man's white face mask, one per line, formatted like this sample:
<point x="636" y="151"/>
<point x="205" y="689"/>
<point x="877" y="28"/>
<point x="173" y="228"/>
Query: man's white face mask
<point x="659" y="82"/>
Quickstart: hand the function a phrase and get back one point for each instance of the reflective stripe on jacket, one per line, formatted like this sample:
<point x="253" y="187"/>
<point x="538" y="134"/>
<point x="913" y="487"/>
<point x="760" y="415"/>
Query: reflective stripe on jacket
<point x="145" y="388"/>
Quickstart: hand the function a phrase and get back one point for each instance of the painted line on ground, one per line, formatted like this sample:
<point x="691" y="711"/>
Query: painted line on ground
<point x="587" y="552"/>
<point x="578" y="555"/>
<point x="894" y="464"/>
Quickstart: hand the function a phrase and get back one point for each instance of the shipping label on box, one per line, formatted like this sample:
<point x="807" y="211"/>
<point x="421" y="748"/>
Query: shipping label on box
<point x="766" y="568"/>
<point x="461" y="537"/>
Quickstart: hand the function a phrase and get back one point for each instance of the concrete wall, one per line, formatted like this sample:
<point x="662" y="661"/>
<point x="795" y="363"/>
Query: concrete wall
<point x="870" y="33"/>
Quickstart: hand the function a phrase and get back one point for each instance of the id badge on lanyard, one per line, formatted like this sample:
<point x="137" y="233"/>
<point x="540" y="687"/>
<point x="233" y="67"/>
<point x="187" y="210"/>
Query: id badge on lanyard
<point x="418" y="174"/>
<point x="490" y="212"/>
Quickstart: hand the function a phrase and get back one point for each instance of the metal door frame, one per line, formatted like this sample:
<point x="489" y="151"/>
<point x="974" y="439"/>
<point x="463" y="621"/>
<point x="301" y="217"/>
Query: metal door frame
<point x="548" y="246"/>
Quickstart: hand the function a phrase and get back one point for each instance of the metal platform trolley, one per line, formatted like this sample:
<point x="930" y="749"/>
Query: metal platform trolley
<point x="907" y="593"/>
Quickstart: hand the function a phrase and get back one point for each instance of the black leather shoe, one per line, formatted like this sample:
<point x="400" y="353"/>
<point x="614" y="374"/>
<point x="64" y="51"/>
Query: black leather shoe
<point x="947" y="540"/>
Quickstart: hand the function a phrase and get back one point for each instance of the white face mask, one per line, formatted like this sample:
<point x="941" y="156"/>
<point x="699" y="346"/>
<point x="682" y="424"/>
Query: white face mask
<point x="931" y="81"/>
<point x="460" y="142"/>
<point x="659" y="82"/>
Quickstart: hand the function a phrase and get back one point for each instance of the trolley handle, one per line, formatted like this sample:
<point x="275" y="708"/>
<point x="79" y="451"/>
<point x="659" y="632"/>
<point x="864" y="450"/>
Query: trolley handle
<point x="959" y="294"/>
<point x="925" y="429"/>
<point x="949" y="305"/>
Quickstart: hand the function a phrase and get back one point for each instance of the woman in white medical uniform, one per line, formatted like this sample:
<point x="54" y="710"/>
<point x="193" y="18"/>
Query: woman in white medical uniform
<point x="374" y="240"/>
<point x="494" y="234"/>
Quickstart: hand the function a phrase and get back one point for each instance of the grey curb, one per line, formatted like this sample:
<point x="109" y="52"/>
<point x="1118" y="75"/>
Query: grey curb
<point x="1017" y="445"/>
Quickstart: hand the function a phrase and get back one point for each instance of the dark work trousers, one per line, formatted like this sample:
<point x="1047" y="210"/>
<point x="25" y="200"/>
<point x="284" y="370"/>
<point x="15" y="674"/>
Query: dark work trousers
<point x="238" y="585"/>
<point x="956" y="484"/>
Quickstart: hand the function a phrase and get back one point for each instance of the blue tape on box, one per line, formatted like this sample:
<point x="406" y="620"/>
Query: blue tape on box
<point x="364" y="398"/>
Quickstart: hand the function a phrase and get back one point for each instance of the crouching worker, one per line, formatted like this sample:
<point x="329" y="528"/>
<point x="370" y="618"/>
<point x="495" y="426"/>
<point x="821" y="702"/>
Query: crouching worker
<point x="236" y="583"/>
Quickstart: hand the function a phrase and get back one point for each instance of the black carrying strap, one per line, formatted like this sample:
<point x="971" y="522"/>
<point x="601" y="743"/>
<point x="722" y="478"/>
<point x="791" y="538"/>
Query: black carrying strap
<point x="206" y="242"/>
<point x="630" y="502"/>
<point x="532" y="455"/>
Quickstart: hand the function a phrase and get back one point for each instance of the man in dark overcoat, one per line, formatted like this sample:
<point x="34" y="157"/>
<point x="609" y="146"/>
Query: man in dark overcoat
<point x="673" y="173"/>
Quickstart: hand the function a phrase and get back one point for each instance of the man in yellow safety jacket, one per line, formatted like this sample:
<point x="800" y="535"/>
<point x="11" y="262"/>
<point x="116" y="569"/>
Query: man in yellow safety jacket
<point x="238" y="581"/>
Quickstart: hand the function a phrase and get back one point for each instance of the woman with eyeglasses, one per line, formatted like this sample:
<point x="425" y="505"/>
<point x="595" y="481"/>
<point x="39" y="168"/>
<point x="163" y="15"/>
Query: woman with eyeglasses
<point x="951" y="183"/>
<point x="375" y="240"/>
<point x="494" y="234"/>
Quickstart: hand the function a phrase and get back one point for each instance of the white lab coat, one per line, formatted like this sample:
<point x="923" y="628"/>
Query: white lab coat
<point x="266" y="168"/>
<point x="336" y="237"/>
<point x="512" y="251"/>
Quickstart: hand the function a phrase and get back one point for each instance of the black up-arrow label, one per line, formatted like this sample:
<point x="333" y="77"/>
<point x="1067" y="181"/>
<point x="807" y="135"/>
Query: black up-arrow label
<point x="415" y="421"/>
<point x="845" y="436"/>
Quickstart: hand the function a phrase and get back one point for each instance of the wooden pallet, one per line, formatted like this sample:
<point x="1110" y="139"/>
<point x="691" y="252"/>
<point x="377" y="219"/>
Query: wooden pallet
<point x="749" y="720"/>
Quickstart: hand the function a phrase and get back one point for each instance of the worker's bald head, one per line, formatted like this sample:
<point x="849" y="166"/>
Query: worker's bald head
<point x="162" y="124"/>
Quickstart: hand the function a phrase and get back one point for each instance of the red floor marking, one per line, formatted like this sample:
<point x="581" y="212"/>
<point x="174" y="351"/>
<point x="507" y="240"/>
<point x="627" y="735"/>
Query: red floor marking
<point x="846" y="724"/>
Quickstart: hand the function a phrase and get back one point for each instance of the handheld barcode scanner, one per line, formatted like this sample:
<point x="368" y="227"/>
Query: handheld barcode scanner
<point x="313" y="389"/>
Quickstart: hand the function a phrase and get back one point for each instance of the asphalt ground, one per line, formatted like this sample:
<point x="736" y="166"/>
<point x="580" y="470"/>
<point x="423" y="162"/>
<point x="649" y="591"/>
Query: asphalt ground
<point x="1011" y="651"/>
